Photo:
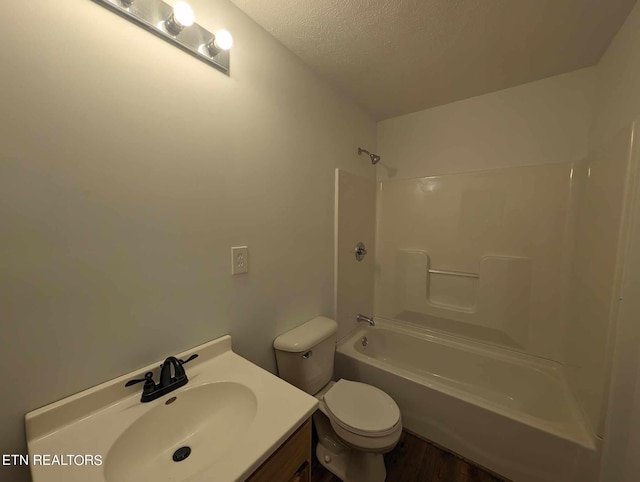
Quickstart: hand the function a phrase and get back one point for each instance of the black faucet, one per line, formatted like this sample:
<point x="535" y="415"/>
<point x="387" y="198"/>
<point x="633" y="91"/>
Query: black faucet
<point x="168" y="382"/>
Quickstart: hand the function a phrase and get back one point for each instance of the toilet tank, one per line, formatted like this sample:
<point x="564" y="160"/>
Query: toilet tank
<point x="305" y="354"/>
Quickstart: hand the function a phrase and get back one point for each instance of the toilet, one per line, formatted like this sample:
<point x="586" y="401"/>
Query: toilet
<point x="356" y="423"/>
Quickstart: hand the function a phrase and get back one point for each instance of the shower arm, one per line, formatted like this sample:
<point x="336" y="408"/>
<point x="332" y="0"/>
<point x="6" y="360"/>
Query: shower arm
<point x="374" y="157"/>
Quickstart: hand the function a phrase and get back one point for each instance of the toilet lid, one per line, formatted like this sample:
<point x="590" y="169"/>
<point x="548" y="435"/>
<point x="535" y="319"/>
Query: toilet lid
<point x="361" y="408"/>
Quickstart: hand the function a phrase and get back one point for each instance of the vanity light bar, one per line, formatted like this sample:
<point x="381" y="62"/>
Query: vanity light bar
<point x="176" y="25"/>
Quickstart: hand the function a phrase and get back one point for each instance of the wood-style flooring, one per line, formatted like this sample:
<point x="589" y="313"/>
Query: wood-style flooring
<point x="414" y="460"/>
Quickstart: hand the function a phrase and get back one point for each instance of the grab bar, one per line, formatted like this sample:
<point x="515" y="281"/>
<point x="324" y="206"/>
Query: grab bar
<point x="454" y="273"/>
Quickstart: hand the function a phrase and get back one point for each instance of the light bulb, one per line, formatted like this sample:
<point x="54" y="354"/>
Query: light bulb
<point x="223" y="40"/>
<point x="183" y="14"/>
<point x="181" y="17"/>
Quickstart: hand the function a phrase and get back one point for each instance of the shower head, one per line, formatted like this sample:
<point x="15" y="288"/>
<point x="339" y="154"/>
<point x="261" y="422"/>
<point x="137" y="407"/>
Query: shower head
<point x="375" y="159"/>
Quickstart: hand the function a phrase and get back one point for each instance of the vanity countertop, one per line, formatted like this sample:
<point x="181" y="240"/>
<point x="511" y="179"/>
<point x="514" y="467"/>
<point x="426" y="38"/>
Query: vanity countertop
<point x="232" y="414"/>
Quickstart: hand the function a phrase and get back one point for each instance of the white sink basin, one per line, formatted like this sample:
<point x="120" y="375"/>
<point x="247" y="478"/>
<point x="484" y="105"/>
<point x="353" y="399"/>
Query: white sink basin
<point x="229" y="418"/>
<point x="210" y="420"/>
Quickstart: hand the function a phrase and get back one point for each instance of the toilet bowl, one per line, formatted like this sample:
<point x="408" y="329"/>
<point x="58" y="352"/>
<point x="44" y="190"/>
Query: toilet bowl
<point x="356" y="423"/>
<point x="362" y="416"/>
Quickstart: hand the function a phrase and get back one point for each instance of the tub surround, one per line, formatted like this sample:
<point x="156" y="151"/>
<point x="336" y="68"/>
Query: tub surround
<point x="97" y="420"/>
<point x="489" y="250"/>
<point x="355" y="219"/>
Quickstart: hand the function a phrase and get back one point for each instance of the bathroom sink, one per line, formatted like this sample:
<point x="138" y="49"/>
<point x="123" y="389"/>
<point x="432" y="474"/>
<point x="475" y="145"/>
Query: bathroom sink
<point x="203" y="423"/>
<point x="222" y="425"/>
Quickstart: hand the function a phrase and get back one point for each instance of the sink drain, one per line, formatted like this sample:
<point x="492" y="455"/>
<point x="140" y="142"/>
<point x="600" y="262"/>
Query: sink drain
<point x="181" y="454"/>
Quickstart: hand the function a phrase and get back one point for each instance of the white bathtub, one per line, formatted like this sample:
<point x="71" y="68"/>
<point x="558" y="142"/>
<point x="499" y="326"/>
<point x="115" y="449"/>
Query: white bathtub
<point x="509" y="412"/>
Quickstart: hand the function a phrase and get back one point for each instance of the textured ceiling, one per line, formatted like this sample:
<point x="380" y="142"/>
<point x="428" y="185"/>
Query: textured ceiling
<point x="399" y="56"/>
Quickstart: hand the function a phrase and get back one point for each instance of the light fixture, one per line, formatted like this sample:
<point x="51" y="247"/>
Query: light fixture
<point x="177" y="25"/>
<point x="181" y="17"/>
<point x="222" y="40"/>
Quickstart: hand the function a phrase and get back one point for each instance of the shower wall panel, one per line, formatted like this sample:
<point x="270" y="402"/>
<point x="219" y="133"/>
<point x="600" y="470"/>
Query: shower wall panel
<point x="502" y="239"/>
<point x="602" y="186"/>
<point x="355" y="222"/>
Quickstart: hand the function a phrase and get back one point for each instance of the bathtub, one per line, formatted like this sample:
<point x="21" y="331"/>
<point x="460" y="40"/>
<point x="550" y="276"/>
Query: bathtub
<point x="509" y="412"/>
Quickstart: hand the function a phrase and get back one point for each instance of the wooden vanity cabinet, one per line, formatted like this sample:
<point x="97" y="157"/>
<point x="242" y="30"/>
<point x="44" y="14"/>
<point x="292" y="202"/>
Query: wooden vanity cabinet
<point x="289" y="463"/>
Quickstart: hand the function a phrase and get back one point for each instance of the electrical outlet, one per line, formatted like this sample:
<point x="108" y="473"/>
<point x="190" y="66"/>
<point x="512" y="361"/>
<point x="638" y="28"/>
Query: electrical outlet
<point x="239" y="260"/>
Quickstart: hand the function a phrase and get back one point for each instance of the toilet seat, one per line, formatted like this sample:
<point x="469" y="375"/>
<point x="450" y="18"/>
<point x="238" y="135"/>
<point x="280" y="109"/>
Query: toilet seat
<point x="362" y="409"/>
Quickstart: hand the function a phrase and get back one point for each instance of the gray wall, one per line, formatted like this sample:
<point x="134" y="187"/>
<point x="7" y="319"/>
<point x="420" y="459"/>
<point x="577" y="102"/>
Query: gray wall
<point x="127" y="171"/>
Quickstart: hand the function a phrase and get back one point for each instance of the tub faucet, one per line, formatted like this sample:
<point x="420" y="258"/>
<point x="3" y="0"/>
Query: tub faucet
<point x="366" y="319"/>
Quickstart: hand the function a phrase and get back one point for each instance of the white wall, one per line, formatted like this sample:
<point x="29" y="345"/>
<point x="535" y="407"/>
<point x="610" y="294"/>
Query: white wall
<point x="547" y="121"/>
<point x="127" y="171"/>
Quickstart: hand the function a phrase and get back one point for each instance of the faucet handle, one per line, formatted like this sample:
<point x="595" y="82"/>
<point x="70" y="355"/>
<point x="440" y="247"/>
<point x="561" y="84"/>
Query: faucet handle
<point x="182" y="362"/>
<point x="148" y="381"/>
